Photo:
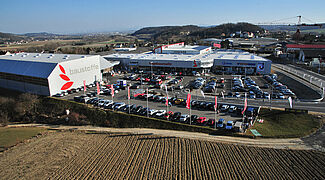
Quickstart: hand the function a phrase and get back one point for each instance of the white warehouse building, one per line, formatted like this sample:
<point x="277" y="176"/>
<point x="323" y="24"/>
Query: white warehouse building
<point x="180" y="48"/>
<point x="49" y="74"/>
<point x="226" y="61"/>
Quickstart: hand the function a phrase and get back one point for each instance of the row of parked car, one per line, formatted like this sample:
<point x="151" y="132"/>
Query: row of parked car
<point x="212" y="84"/>
<point x="200" y="105"/>
<point x="73" y="90"/>
<point x="279" y="87"/>
<point x="161" y="114"/>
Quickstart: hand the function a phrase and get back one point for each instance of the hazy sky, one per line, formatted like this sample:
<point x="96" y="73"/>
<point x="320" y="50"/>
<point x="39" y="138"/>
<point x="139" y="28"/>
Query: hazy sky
<point x="80" y="16"/>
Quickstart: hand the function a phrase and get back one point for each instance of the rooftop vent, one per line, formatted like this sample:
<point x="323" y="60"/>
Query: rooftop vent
<point x="252" y="56"/>
<point x="236" y="57"/>
<point x="66" y="58"/>
<point x="83" y="56"/>
<point x="50" y="57"/>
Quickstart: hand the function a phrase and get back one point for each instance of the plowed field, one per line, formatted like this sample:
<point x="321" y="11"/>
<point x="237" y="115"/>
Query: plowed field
<point x="78" y="155"/>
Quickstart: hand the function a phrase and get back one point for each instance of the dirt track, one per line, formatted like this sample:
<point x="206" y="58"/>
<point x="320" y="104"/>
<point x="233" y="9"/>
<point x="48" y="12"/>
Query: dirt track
<point x="288" y="143"/>
<point x="78" y="155"/>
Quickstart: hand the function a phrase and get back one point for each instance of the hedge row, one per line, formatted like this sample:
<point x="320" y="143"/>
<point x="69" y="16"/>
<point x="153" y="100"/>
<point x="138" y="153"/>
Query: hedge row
<point x="109" y="118"/>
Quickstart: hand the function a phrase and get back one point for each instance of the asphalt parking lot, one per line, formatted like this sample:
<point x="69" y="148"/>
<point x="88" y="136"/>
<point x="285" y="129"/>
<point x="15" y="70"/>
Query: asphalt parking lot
<point x="186" y="82"/>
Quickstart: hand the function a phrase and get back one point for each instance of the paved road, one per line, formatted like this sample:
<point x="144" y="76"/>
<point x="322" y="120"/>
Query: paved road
<point x="309" y="76"/>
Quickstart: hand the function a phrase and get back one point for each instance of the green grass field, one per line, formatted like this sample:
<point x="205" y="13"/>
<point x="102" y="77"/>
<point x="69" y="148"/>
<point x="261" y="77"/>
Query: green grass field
<point x="11" y="136"/>
<point x="281" y="124"/>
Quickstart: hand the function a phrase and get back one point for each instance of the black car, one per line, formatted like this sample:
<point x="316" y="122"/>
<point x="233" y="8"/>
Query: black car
<point x="176" y="116"/>
<point x="135" y="86"/>
<point x="194" y="118"/>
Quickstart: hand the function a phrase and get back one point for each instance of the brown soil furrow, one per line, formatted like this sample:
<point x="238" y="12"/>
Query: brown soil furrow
<point x="93" y="159"/>
<point x="114" y="163"/>
<point x="65" y="170"/>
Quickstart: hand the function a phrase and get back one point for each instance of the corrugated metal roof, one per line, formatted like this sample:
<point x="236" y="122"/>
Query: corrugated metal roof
<point x="104" y="64"/>
<point x="48" y="58"/>
<point x="25" y="68"/>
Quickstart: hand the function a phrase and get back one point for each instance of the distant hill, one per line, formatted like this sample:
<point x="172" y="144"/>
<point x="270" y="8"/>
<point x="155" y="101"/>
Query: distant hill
<point x="290" y="28"/>
<point x="191" y="31"/>
<point x="40" y="34"/>
<point x="8" y="37"/>
<point x="226" y="29"/>
<point x="165" y="31"/>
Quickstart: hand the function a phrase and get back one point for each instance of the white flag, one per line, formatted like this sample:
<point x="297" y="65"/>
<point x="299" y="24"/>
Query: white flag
<point x="290" y="101"/>
<point x="202" y="94"/>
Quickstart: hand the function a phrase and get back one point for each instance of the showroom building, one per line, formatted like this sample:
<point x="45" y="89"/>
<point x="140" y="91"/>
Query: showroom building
<point x="49" y="74"/>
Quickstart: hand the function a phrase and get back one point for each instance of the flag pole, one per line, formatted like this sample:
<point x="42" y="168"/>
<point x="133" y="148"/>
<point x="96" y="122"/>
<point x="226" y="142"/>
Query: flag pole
<point x="245" y="106"/>
<point x="129" y="99"/>
<point x="167" y="102"/>
<point x="215" y="111"/>
<point x="147" y="104"/>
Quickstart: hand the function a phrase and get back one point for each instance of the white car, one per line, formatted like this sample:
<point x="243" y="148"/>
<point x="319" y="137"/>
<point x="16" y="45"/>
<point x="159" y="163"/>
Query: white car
<point x="160" y="113"/>
<point x="232" y="109"/>
<point x="117" y="106"/>
<point x="152" y="112"/>
<point x="184" y="117"/>
<point x="224" y="108"/>
<point x="101" y="102"/>
<point x="108" y="102"/>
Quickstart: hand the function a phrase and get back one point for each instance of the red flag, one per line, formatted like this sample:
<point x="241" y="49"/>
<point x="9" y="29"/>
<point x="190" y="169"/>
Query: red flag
<point x="128" y="92"/>
<point x="215" y="103"/>
<point x="98" y="91"/>
<point x="245" y="105"/>
<point x="112" y="90"/>
<point x="188" y="101"/>
<point x="84" y="85"/>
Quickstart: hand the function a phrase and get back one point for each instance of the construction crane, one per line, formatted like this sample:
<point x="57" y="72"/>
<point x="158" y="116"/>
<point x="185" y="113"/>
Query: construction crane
<point x="285" y="22"/>
<point x="299" y="24"/>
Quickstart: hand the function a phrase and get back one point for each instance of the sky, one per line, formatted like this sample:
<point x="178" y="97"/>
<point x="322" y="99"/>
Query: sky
<point x="81" y="16"/>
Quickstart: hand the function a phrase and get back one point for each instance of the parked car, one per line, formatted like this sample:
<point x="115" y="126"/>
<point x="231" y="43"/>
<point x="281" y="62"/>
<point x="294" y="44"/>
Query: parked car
<point x="224" y="108"/>
<point x="194" y="118"/>
<point x="229" y="125"/>
<point x="184" y="118"/>
<point x="201" y="120"/>
<point x="220" y="123"/>
<point x="176" y="116"/>
<point x="232" y="109"/>
<point x="160" y="113"/>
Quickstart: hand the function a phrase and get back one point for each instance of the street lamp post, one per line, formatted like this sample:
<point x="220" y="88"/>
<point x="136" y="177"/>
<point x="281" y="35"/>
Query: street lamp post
<point x="151" y="68"/>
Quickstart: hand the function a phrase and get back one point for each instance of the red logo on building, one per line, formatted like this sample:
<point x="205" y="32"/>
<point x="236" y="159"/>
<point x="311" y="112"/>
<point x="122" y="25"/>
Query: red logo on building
<point x="69" y="83"/>
<point x="195" y="65"/>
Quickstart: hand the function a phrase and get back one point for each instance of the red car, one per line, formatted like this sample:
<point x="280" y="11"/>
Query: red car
<point x="139" y="95"/>
<point x="168" y="114"/>
<point x="210" y="122"/>
<point x="201" y="120"/>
